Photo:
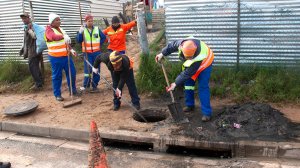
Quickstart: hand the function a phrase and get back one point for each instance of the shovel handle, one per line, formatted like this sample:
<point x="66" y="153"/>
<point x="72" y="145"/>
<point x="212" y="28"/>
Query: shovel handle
<point x="167" y="80"/>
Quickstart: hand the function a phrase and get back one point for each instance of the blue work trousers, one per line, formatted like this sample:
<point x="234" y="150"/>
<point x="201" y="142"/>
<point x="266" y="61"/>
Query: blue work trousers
<point x="203" y="91"/>
<point x="58" y="64"/>
<point x="89" y="76"/>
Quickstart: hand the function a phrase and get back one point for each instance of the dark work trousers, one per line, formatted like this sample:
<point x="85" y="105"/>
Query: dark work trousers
<point x="135" y="100"/>
<point x="34" y="68"/>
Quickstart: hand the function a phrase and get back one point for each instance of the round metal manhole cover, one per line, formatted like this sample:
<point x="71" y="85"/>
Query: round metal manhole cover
<point x="21" y="108"/>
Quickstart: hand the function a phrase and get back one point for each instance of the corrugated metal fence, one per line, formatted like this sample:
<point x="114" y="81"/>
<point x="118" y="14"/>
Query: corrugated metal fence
<point x="11" y="31"/>
<point x="106" y="8"/>
<point x="263" y="32"/>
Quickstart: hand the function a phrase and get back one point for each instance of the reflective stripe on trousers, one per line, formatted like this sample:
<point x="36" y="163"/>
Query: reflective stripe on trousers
<point x="203" y="91"/>
<point x="87" y="77"/>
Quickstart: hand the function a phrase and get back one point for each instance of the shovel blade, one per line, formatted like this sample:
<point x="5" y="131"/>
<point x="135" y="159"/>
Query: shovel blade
<point x="177" y="112"/>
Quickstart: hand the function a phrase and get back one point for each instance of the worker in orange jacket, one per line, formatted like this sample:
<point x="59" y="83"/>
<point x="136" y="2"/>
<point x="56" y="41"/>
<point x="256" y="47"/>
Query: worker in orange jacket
<point x="117" y="35"/>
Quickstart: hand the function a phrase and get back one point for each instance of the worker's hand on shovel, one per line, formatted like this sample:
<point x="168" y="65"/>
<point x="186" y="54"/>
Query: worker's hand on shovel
<point x="73" y="52"/>
<point x="171" y="87"/>
<point x="95" y="70"/>
<point x="158" y="57"/>
<point x="118" y="93"/>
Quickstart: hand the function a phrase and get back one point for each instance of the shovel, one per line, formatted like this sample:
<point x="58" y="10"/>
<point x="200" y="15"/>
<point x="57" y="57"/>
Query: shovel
<point x="175" y="107"/>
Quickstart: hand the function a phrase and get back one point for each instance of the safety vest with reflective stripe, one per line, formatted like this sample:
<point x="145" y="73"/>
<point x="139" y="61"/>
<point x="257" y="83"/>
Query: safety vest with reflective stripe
<point x="57" y="48"/>
<point x="206" y="56"/>
<point x="92" y="41"/>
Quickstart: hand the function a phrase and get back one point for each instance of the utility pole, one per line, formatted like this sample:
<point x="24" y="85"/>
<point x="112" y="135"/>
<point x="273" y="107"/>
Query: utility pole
<point x="42" y="57"/>
<point x="142" y="32"/>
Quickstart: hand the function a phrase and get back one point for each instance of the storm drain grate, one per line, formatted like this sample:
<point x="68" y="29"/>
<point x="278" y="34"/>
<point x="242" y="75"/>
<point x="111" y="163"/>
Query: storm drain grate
<point x="185" y="151"/>
<point x="130" y="145"/>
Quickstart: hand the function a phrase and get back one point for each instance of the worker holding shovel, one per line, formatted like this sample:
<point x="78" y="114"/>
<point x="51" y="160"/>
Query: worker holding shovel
<point x="58" y="43"/>
<point x="94" y="38"/>
<point x="197" y="58"/>
<point x="121" y="68"/>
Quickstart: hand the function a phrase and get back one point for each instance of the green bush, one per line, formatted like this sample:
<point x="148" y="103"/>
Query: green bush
<point x="150" y="77"/>
<point x="13" y="71"/>
<point x="256" y="83"/>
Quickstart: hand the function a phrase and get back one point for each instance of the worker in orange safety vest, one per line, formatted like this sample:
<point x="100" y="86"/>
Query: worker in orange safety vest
<point x="198" y="59"/>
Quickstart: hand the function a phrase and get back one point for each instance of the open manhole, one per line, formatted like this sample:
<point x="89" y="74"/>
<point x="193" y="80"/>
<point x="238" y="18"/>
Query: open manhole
<point x="151" y="115"/>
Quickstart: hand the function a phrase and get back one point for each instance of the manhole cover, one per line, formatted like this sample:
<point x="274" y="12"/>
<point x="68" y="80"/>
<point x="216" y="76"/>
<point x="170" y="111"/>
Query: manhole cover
<point x="151" y="115"/>
<point x="21" y="108"/>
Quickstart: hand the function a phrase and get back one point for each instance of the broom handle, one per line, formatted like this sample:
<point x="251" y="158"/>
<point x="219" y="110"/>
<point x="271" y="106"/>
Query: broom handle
<point x="167" y="80"/>
<point x="70" y="77"/>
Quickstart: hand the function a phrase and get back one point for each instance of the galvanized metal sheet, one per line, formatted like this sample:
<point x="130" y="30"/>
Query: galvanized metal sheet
<point x="11" y="26"/>
<point x="105" y="9"/>
<point x="262" y="31"/>
<point x="21" y="108"/>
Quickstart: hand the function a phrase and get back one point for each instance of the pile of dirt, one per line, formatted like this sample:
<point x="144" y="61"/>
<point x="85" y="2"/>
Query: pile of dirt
<point x="246" y="121"/>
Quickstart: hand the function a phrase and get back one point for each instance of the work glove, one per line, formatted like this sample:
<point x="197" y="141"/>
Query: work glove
<point x="81" y="29"/>
<point x="67" y="39"/>
<point x="73" y="52"/>
<point x="171" y="87"/>
<point x="31" y="33"/>
<point x="95" y="70"/>
<point x="158" y="57"/>
<point x="118" y="93"/>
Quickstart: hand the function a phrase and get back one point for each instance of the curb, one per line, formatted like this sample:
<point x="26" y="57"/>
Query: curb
<point x="286" y="150"/>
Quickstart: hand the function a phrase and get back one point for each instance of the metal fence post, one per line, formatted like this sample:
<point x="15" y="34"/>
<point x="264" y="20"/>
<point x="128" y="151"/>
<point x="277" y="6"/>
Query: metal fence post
<point x="142" y="33"/>
<point x="42" y="57"/>
<point x="238" y="35"/>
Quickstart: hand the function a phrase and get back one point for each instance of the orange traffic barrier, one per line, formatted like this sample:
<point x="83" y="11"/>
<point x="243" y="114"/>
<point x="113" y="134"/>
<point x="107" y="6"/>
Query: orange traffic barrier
<point x="97" y="155"/>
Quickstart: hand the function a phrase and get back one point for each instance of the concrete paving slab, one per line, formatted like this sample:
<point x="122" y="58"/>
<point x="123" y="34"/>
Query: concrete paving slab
<point x="39" y="140"/>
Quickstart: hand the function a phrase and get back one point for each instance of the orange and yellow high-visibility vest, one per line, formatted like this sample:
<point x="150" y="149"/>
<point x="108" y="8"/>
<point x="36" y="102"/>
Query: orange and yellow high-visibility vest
<point x="57" y="48"/>
<point x="206" y="55"/>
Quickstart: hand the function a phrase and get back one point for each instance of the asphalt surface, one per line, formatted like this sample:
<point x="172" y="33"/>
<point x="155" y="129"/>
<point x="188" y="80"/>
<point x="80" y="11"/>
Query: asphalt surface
<point x="36" y="152"/>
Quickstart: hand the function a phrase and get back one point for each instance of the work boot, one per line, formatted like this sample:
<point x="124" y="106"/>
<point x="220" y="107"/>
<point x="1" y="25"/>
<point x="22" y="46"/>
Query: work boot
<point x="77" y="94"/>
<point x="59" y="98"/>
<point x="205" y="118"/>
<point x="36" y="88"/>
<point x="94" y="90"/>
<point x="5" y="165"/>
<point x="137" y="106"/>
<point x="82" y="89"/>
<point x="116" y="107"/>
<point x="188" y="109"/>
